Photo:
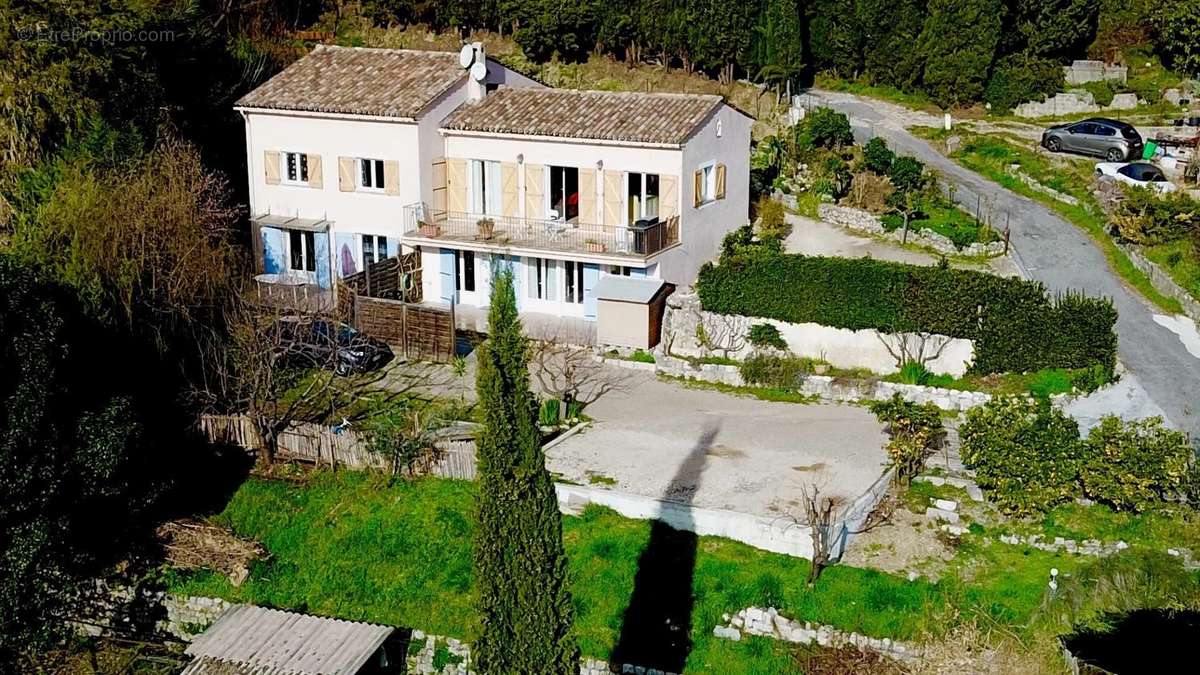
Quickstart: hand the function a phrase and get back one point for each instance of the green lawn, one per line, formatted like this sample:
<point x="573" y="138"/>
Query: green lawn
<point x="946" y="220"/>
<point x="353" y="546"/>
<point x="991" y="156"/>
<point x="1181" y="260"/>
<point x="1044" y="382"/>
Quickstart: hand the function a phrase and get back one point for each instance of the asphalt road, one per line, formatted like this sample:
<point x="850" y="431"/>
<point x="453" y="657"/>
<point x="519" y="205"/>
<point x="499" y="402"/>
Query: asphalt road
<point x="1057" y="253"/>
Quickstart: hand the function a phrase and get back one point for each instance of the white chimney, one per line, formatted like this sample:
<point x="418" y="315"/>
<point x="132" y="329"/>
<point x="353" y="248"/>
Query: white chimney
<point x="477" y="74"/>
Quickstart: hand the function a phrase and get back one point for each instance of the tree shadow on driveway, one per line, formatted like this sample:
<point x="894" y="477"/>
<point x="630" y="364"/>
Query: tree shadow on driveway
<point x="656" y="627"/>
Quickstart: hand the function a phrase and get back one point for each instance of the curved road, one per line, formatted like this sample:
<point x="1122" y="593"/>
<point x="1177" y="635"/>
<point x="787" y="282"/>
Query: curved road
<point x="1060" y="255"/>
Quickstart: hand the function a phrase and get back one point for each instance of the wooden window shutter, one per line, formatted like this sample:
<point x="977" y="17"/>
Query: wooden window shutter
<point x="271" y="167"/>
<point x="391" y="177"/>
<point x="346" y="174"/>
<point x="720" y="182"/>
<point x="456" y="185"/>
<point x="439" y="184"/>
<point x="316" y="179"/>
<point x="510" y="193"/>
<point x="668" y="197"/>
<point x="534" y="190"/>
<point x="587" y="195"/>
<point x="697" y="188"/>
<point x="614" y="185"/>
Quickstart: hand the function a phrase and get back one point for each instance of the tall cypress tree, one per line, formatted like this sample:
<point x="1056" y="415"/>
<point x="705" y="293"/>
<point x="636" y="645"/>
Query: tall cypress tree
<point x="520" y="565"/>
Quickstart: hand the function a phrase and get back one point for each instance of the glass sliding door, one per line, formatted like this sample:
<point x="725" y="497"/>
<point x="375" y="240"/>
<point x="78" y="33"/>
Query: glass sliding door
<point x="563" y="196"/>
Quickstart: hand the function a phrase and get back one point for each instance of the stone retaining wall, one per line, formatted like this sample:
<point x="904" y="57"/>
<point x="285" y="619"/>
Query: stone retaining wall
<point x="1163" y="281"/>
<point x="1082" y="71"/>
<point x="869" y="349"/>
<point x="833" y="388"/>
<point x="865" y="221"/>
<point x="770" y="623"/>
<point x="1074" y="102"/>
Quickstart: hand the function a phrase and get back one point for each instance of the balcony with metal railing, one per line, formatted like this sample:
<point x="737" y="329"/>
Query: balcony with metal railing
<point x="639" y="241"/>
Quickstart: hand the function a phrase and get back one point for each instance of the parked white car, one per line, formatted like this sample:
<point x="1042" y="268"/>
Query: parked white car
<point x="1139" y="174"/>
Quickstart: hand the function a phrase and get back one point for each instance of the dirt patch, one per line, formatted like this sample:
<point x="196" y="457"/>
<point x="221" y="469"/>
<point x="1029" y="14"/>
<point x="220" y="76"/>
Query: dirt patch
<point x="725" y="452"/>
<point x="819" y="466"/>
<point x="905" y="543"/>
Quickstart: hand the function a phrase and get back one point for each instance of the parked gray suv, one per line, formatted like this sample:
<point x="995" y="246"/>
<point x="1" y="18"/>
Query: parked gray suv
<point x="1114" y="141"/>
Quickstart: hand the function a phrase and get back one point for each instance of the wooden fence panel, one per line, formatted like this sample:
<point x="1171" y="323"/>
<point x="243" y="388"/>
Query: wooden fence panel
<point x="418" y="331"/>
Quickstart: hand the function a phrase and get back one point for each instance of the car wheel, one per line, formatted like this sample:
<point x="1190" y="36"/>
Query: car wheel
<point x="1114" y="155"/>
<point x="1053" y="144"/>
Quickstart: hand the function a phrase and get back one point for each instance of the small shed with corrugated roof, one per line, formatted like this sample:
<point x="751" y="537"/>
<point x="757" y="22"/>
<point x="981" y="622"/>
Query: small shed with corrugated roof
<point x="249" y="640"/>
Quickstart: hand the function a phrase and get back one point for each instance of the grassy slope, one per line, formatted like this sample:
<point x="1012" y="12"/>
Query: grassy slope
<point x="349" y="545"/>
<point x="990" y="157"/>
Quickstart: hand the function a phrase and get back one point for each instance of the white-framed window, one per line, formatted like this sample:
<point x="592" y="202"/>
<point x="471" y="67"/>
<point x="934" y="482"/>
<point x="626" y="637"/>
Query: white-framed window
<point x="641" y="196"/>
<point x="370" y="175"/>
<point x="708" y="182"/>
<point x="562" y="193"/>
<point x="619" y="270"/>
<point x="295" y="168"/>
<point x="374" y="248"/>
<point x="464" y="271"/>
<point x="484" y="184"/>
<point x="573" y="281"/>
<point x="302" y="251"/>
<point x="542" y="284"/>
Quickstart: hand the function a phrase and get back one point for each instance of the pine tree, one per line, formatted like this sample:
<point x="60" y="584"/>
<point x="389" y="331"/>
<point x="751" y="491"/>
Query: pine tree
<point x="520" y="566"/>
<point x="959" y="42"/>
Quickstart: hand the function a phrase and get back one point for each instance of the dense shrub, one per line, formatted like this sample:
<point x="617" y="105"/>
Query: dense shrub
<point x="959" y="41"/>
<point x="871" y="192"/>
<point x="916" y="430"/>
<point x="1025" y="453"/>
<point x="777" y="372"/>
<point x="1016" y="326"/>
<point x="1145" y="217"/>
<point x="742" y="243"/>
<point x="772" y="219"/>
<point x="907" y="174"/>
<point x="766" y="335"/>
<point x="1133" y="465"/>
<point x="1019" y="78"/>
<point x="877" y="156"/>
<point x="1029" y="457"/>
<point x="825" y="128"/>
<point x="832" y="177"/>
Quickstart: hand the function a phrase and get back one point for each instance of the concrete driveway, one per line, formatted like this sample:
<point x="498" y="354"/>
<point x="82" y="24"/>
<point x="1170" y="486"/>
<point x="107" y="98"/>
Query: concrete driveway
<point x="714" y="450"/>
<point x="1057" y="253"/>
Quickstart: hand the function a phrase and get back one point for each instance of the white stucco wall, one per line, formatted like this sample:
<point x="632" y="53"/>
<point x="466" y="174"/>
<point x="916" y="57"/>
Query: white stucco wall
<point x="361" y="212"/>
<point x="844" y="348"/>
<point x="704" y="227"/>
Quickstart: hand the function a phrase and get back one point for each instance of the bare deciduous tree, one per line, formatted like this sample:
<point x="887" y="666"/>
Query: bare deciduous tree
<point x="920" y="347"/>
<point x="255" y="372"/>
<point x="570" y="372"/>
<point x="822" y="515"/>
<point x="721" y="333"/>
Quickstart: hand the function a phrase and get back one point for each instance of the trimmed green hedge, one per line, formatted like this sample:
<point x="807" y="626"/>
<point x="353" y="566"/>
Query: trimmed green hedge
<point x="1016" y="325"/>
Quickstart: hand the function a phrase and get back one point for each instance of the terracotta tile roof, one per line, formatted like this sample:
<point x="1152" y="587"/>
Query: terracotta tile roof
<point x="389" y="82"/>
<point x="632" y="117"/>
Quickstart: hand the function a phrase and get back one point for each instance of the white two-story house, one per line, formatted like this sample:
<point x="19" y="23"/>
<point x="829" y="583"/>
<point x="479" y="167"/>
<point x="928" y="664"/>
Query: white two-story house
<point x="356" y="154"/>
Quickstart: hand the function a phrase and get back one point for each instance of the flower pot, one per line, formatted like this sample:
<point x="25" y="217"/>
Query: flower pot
<point x="596" y="246"/>
<point x="486" y="228"/>
<point x="430" y="230"/>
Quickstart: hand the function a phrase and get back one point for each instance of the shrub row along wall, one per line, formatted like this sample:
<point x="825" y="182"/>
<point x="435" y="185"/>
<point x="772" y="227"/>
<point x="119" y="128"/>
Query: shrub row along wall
<point x="1015" y="325"/>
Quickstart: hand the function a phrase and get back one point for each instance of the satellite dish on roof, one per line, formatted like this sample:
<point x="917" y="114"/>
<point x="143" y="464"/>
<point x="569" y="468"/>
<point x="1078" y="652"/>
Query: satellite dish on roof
<point x="466" y="56"/>
<point x="479" y="71"/>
